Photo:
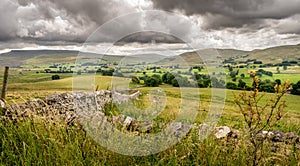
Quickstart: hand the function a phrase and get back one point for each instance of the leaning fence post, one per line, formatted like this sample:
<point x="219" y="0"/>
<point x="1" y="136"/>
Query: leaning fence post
<point x="4" y="83"/>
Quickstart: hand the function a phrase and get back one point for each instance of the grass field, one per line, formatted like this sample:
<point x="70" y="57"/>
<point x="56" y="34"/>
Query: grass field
<point x="31" y="85"/>
<point x="39" y="142"/>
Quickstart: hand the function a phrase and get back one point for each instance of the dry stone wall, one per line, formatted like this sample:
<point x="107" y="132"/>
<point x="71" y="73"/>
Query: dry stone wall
<point x="68" y="106"/>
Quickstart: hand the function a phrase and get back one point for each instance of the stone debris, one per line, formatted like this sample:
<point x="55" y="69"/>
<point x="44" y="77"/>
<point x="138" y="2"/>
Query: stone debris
<point x="127" y="122"/>
<point x="124" y="98"/>
<point x="179" y="129"/>
<point x="222" y="131"/>
<point x="292" y="137"/>
<point x="146" y="126"/>
<point x="2" y="104"/>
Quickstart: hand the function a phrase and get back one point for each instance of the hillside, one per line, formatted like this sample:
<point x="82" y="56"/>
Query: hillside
<point x="195" y="57"/>
<point x="274" y="55"/>
<point x="18" y="58"/>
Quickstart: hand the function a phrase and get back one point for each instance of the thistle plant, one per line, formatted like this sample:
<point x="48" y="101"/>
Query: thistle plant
<point x="260" y="114"/>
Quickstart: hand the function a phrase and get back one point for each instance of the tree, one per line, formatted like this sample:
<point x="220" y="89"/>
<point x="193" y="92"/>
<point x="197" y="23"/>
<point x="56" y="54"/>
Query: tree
<point x="230" y="68"/>
<point x="266" y="86"/>
<point x="237" y="72"/>
<point x="153" y="81"/>
<point x="233" y="74"/>
<point x="167" y="78"/>
<point x="285" y="67"/>
<point x="158" y="77"/>
<point x="135" y="80"/>
<point x="241" y="84"/>
<point x="217" y="83"/>
<point x="243" y="75"/>
<point x="109" y="72"/>
<point x="190" y="70"/>
<point x="296" y="89"/>
<point x="231" y="85"/>
<point x="278" y="81"/>
<point x="201" y="84"/>
<point x="180" y="82"/>
<point x="278" y="70"/>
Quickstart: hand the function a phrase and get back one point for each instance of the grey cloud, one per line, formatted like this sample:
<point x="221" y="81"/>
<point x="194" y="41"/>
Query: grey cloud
<point x="8" y="22"/>
<point x="57" y="20"/>
<point x="289" y="25"/>
<point x="232" y="13"/>
<point x="144" y="28"/>
<point x="73" y="21"/>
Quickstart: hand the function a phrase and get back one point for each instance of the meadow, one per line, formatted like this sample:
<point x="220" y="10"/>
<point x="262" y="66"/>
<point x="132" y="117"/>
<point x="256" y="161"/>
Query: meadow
<point x="37" y="141"/>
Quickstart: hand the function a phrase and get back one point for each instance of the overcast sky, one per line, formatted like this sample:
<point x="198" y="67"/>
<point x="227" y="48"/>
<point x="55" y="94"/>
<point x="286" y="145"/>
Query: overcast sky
<point x="67" y="24"/>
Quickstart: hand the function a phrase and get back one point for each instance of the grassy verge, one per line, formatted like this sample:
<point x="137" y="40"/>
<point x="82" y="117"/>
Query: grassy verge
<point x="35" y="142"/>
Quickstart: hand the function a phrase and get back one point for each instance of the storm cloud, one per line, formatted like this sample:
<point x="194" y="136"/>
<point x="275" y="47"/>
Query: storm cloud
<point x="56" y="20"/>
<point x="232" y="13"/>
<point x="242" y="24"/>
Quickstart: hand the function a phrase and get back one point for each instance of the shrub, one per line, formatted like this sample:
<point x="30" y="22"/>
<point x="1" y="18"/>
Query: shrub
<point x="260" y="116"/>
<point x="231" y="85"/>
<point x="109" y="72"/>
<point x="55" y="77"/>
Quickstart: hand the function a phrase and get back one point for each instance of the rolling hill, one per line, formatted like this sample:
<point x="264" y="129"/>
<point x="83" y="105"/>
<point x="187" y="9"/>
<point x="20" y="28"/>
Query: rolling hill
<point x="276" y="54"/>
<point x="269" y="55"/>
<point x="17" y="58"/>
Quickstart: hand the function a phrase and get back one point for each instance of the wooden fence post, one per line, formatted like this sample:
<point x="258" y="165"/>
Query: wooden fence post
<point x="4" y="83"/>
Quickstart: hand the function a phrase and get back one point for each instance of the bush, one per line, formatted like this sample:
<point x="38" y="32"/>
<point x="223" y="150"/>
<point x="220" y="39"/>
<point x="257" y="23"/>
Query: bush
<point x="231" y="85"/>
<point x="55" y="77"/>
<point x="267" y="86"/>
<point x="259" y="117"/>
<point x="109" y="72"/>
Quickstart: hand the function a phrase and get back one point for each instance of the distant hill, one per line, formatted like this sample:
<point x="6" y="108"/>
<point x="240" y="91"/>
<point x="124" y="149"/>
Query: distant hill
<point x="276" y="54"/>
<point x="17" y="58"/>
<point x="270" y="55"/>
<point x="195" y="57"/>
